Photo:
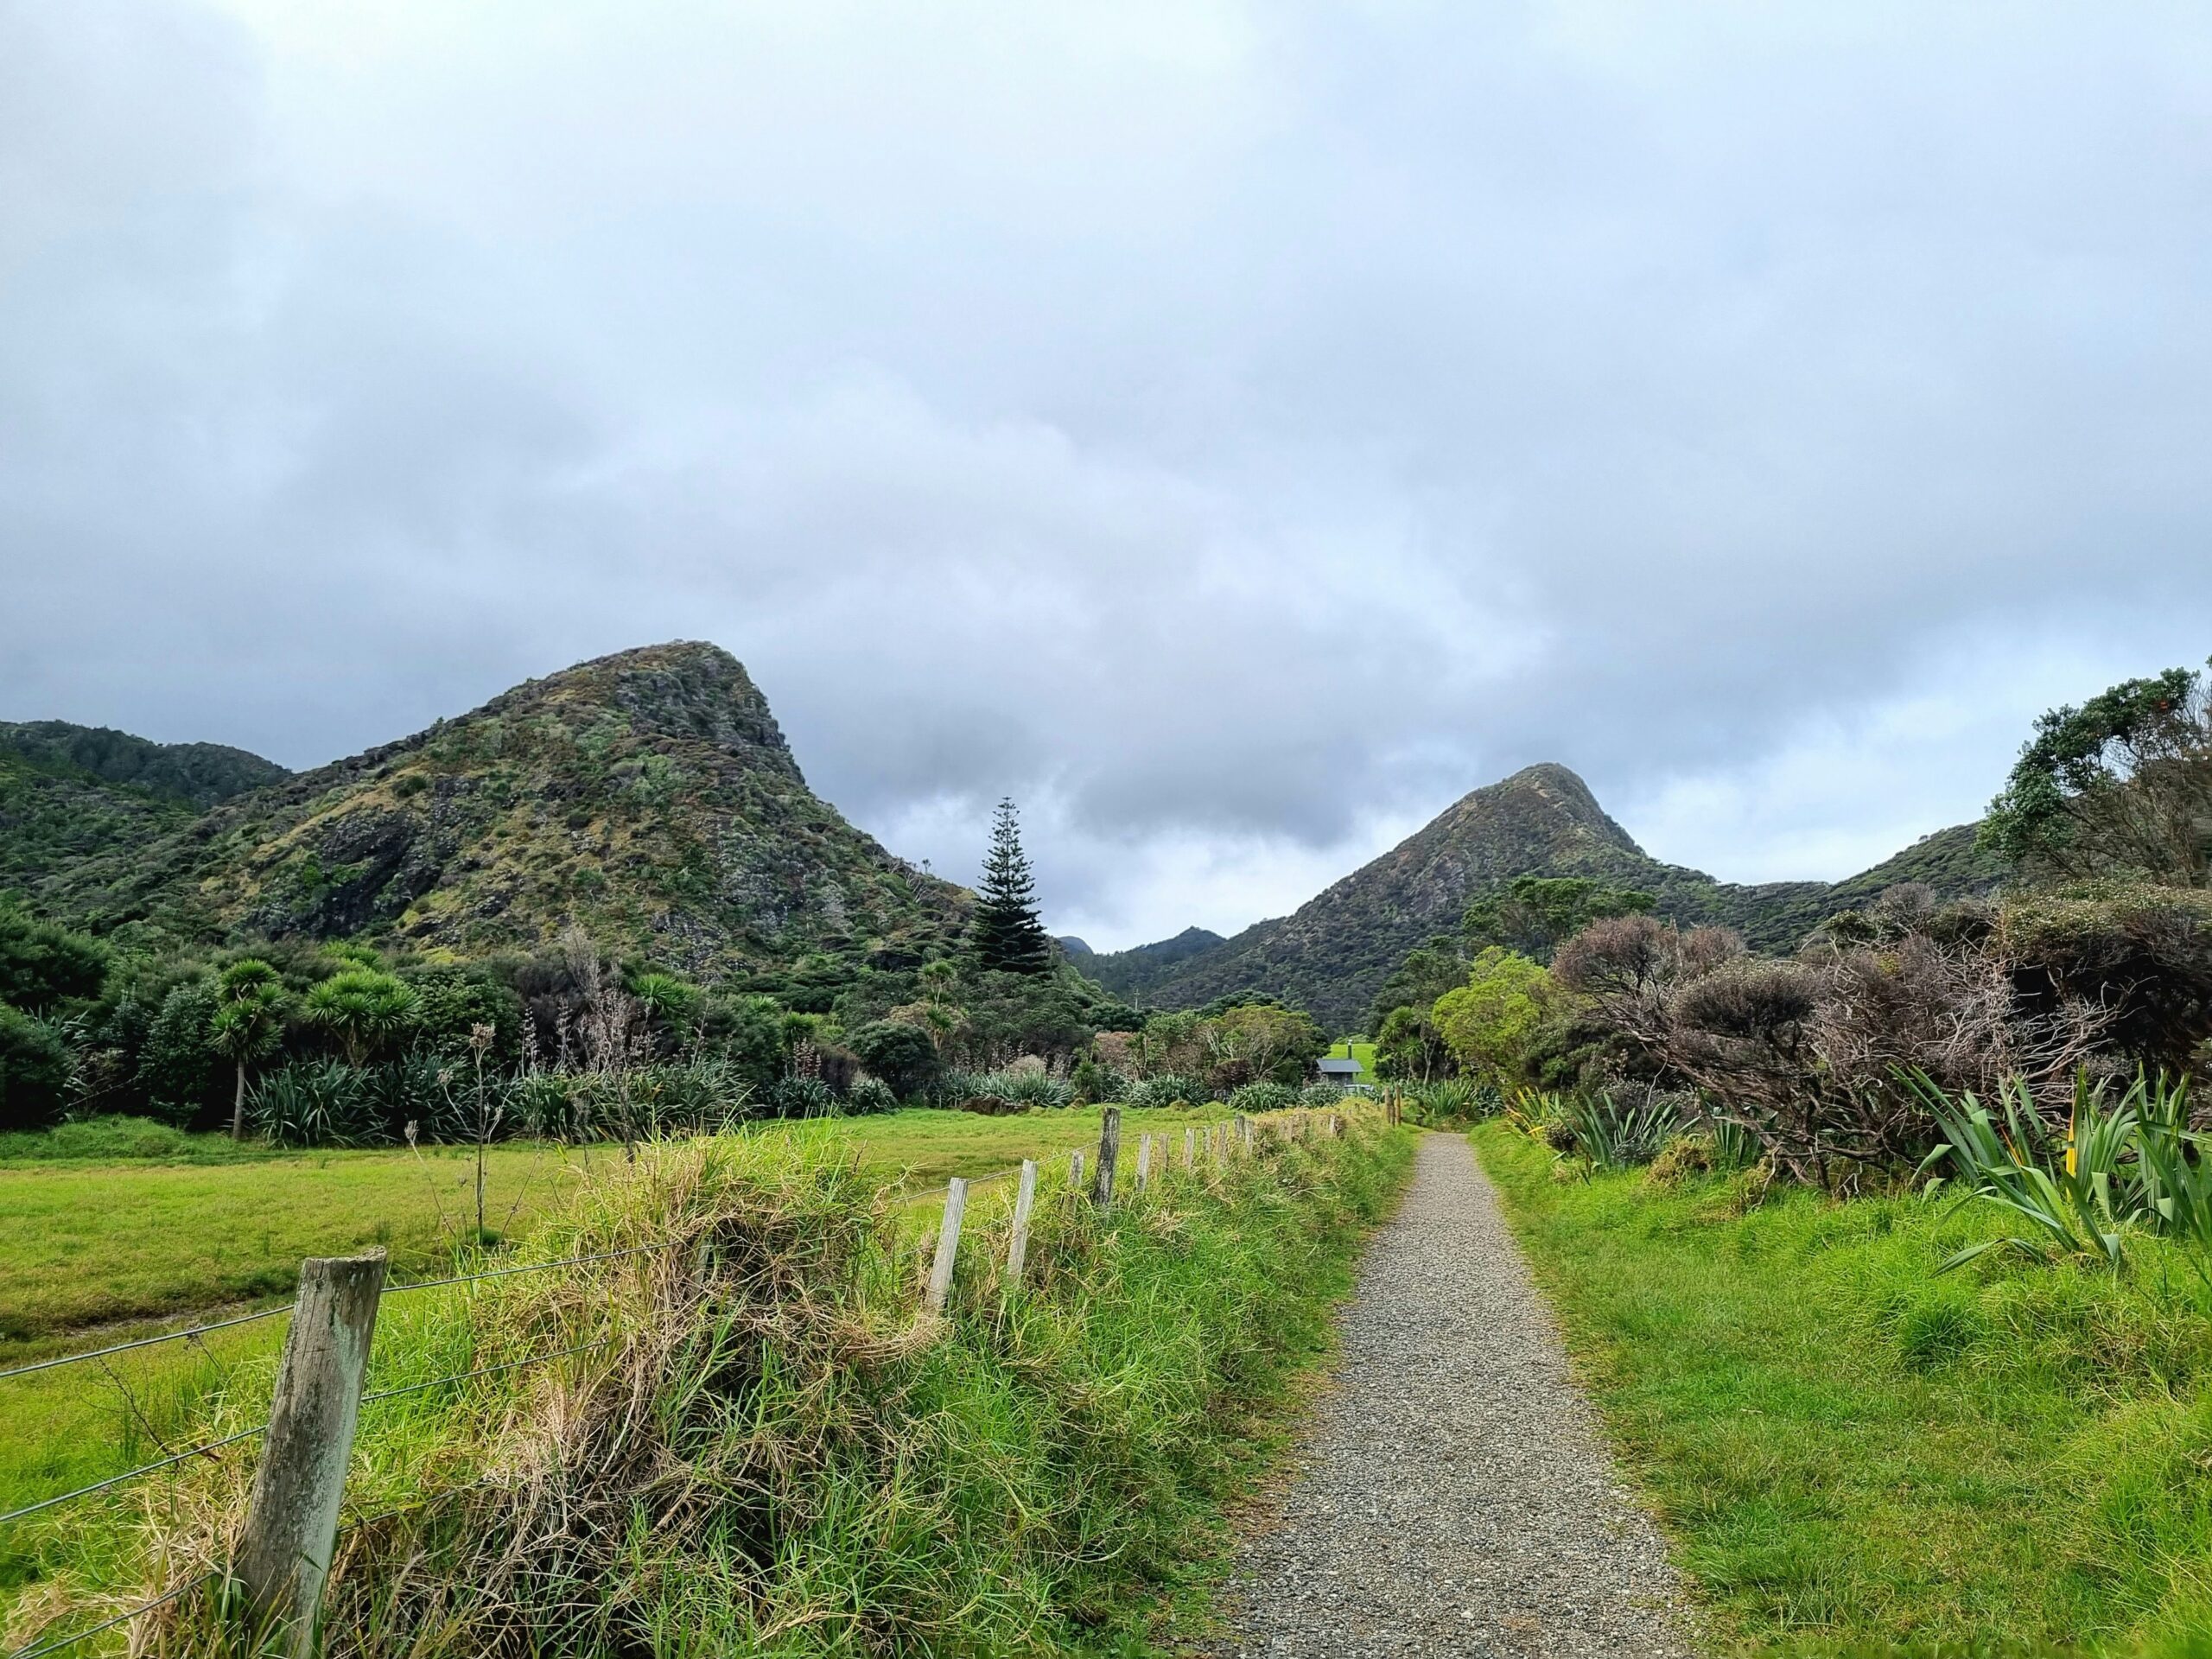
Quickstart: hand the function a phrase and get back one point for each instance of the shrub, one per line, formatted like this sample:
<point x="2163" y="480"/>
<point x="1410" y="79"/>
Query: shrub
<point x="315" y="1103"/>
<point x="1026" y="1086"/>
<point x="366" y="1009"/>
<point x="900" y="1056"/>
<point x="34" y="1071"/>
<point x="871" y="1094"/>
<point x="1610" y="1132"/>
<point x="802" y="1097"/>
<point x="1256" y="1098"/>
<point x="42" y="964"/>
<point x="1167" y="1090"/>
<point x="179" y="1068"/>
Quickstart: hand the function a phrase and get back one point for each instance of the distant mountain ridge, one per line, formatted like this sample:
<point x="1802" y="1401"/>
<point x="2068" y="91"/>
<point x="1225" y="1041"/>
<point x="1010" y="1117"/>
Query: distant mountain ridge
<point x="1332" y="953"/>
<point x="648" y="797"/>
<point x="71" y="793"/>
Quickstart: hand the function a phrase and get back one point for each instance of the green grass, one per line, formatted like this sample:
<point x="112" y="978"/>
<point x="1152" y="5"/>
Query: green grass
<point x="136" y="1227"/>
<point x="1853" y="1455"/>
<point x="89" y="1234"/>
<point x="777" y="1456"/>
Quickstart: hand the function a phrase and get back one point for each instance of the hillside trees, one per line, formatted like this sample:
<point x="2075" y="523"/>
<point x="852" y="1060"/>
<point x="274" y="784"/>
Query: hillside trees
<point x="1531" y="914"/>
<point x="1491" y="1022"/>
<point x="2122" y="783"/>
<point x="1006" y="935"/>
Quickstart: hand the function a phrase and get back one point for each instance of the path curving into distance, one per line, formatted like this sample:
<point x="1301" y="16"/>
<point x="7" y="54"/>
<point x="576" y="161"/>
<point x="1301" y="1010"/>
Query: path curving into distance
<point x="1453" y="1494"/>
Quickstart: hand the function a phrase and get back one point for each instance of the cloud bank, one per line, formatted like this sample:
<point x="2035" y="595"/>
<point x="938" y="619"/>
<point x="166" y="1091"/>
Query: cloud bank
<point x="1234" y="431"/>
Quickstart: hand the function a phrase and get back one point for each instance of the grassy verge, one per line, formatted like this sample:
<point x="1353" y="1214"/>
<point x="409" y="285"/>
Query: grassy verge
<point x="774" y="1453"/>
<point x="102" y="1223"/>
<point x="1856" y="1456"/>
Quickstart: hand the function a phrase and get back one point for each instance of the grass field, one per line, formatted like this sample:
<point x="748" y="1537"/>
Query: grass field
<point x="1857" y="1457"/>
<point x="85" y="1241"/>
<point x="98" y="1249"/>
<point x="1050" y="1470"/>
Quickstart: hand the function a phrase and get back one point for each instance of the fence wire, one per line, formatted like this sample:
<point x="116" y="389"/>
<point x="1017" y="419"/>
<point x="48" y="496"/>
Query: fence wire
<point x="533" y="1267"/>
<point x="143" y="1342"/>
<point x="70" y="1640"/>
<point x="185" y="1456"/>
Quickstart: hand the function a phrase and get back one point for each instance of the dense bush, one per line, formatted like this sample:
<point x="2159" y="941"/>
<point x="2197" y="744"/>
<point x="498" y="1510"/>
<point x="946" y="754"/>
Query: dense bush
<point x="1168" y="1088"/>
<point x="34" y="1072"/>
<point x="870" y="1095"/>
<point x="900" y="1056"/>
<point x="42" y="964"/>
<point x="181" y="1074"/>
<point x="316" y="1103"/>
<point x="1256" y="1098"/>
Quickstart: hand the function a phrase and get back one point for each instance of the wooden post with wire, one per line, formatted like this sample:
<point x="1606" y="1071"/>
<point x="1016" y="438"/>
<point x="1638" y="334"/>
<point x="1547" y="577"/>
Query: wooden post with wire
<point x="948" y="1244"/>
<point x="1109" y="1152"/>
<point x="292" y="1524"/>
<point x="1244" y="1134"/>
<point x="1189" y="1146"/>
<point x="1025" y="1199"/>
<point x="1144" y="1163"/>
<point x="1075" y="1169"/>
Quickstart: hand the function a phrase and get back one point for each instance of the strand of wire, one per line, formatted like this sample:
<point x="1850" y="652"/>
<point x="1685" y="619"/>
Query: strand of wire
<point x="132" y="1474"/>
<point x="70" y="1640"/>
<point x="487" y="1370"/>
<point x="533" y="1267"/>
<point x="143" y="1342"/>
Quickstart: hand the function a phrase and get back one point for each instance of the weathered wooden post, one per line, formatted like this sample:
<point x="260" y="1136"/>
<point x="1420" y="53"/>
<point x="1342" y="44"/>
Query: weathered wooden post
<point x="1144" y="1163"/>
<point x="1075" y="1171"/>
<point x="292" y="1524"/>
<point x="1109" y="1152"/>
<point x="1025" y="1199"/>
<point x="1244" y="1134"/>
<point x="1190" y="1145"/>
<point x="948" y="1245"/>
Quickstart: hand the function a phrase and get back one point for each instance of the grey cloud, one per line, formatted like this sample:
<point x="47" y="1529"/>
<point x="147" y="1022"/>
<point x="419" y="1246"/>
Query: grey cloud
<point x="1235" y="431"/>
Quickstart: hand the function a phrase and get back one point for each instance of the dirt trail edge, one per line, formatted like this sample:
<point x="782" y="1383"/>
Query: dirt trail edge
<point x="1453" y="1495"/>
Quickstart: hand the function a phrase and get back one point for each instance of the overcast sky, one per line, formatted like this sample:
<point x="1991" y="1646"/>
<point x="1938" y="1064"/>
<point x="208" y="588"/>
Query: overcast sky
<point x="1233" y="431"/>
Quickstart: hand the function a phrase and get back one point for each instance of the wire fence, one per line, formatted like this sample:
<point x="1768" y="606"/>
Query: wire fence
<point x="1221" y="1143"/>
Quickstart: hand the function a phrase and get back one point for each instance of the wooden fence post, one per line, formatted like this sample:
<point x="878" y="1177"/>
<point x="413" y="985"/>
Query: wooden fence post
<point x="1025" y="1199"/>
<point x="1244" y="1134"/>
<point x="948" y="1244"/>
<point x="1109" y="1152"/>
<point x="1074" y="1170"/>
<point x="1190" y="1145"/>
<point x="292" y="1524"/>
<point x="1144" y="1163"/>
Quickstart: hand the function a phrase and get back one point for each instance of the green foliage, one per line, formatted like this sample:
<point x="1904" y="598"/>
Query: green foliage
<point x="1408" y="1047"/>
<point x="34" y="1071"/>
<point x="900" y="1056"/>
<point x="42" y="964"/>
<point x="1253" y="1098"/>
<point x="1619" y="1130"/>
<point x="180" y="1071"/>
<point x="671" y="1004"/>
<point x="1490" y="1022"/>
<point x="366" y="1009"/>
<point x="2130" y="1166"/>
<point x="2122" y="783"/>
<point x="1005" y="934"/>
<point x="317" y="1103"/>
<point x="451" y="1001"/>
<point x="1168" y="1089"/>
<point x="1532" y="913"/>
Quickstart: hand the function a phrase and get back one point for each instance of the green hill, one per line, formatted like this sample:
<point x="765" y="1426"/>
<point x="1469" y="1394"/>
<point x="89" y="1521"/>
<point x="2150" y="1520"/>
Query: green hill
<point x="1333" y="953"/>
<point x="69" y="794"/>
<point x="648" y="797"/>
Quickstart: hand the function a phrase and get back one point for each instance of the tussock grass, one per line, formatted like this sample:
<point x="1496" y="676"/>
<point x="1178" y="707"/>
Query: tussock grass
<point x="770" y="1450"/>
<point x="1855" y="1455"/>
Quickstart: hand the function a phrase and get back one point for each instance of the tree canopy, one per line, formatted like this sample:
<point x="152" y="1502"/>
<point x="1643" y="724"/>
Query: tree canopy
<point x="1006" y="935"/>
<point x="2122" y="783"/>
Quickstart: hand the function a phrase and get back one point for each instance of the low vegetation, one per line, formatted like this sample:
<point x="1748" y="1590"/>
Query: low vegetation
<point x="774" y="1452"/>
<point x="1856" y="1453"/>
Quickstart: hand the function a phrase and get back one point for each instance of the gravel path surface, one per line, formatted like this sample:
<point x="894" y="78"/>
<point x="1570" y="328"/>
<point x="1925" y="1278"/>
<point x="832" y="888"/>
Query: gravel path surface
<point x="1453" y="1495"/>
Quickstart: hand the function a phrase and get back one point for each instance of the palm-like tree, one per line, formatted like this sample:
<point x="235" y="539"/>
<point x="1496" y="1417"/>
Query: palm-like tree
<point x="364" y="1008"/>
<point x="249" y="1023"/>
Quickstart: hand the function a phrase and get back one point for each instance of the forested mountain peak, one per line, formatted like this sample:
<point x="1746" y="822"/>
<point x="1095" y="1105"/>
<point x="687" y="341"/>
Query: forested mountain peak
<point x="1332" y="953"/>
<point x="648" y="795"/>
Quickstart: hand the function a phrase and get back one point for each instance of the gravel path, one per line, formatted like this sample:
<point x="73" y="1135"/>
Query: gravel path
<point x="1453" y="1495"/>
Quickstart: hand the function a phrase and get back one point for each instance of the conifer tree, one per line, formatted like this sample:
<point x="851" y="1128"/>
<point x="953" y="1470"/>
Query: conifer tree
<point x="1006" y="934"/>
